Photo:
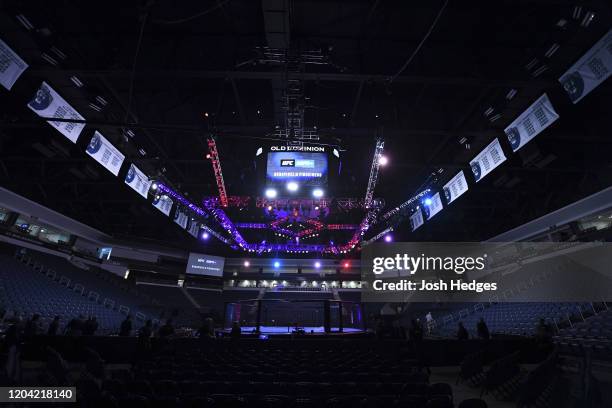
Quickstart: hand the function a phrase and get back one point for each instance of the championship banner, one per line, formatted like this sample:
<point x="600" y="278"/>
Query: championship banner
<point x="138" y="181"/>
<point x="589" y="71"/>
<point x="180" y="218"/>
<point x="433" y="208"/>
<point x="105" y="153"/>
<point x="416" y="219"/>
<point x="11" y="66"/>
<point x="48" y="104"/>
<point x="455" y="187"/>
<point x="194" y="228"/>
<point x="487" y="160"/>
<point x="163" y="203"/>
<point x="530" y="123"/>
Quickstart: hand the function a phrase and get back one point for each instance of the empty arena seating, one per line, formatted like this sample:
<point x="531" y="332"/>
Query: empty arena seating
<point x="595" y="332"/>
<point x="24" y="290"/>
<point x="516" y="318"/>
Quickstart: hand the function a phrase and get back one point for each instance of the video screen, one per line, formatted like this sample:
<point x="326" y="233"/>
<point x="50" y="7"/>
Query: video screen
<point x="307" y="168"/>
<point x="202" y="264"/>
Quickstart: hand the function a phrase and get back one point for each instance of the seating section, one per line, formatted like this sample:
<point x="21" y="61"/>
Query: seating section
<point x="515" y="318"/>
<point x="24" y="290"/>
<point x="595" y="332"/>
<point x="176" y="305"/>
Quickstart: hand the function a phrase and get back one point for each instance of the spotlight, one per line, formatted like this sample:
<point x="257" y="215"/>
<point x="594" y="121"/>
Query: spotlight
<point x="270" y="193"/>
<point x="347" y="265"/>
<point x="317" y="264"/>
<point x="269" y="208"/>
<point x="205" y="235"/>
<point x="154" y="186"/>
<point x="383" y="160"/>
<point x="427" y="201"/>
<point x="247" y="264"/>
<point x="276" y="264"/>
<point x="292" y="186"/>
<point x="388" y="238"/>
<point x="317" y="193"/>
<point x="208" y="156"/>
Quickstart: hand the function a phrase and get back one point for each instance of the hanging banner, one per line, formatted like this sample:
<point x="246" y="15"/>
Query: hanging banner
<point x="105" y="153"/>
<point x="180" y="218"/>
<point x="433" y="208"/>
<point x="138" y="181"/>
<point x="163" y="203"/>
<point x="487" y="160"/>
<point x="530" y="123"/>
<point x="589" y="71"/>
<point x="455" y="187"/>
<point x="11" y="66"/>
<point x="48" y="104"/>
<point x="416" y="219"/>
<point x="194" y="228"/>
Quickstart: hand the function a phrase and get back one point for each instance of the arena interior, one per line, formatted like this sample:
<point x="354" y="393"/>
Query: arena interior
<point x="200" y="202"/>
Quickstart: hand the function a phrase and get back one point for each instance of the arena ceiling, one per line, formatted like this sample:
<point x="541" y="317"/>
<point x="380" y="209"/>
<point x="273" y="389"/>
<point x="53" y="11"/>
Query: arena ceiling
<point x="177" y="73"/>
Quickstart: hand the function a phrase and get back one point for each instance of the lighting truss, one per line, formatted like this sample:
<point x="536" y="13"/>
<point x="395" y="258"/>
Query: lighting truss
<point x="403" y="205"/>
<point x="376" y="237"/>
<point x="216" y="163"/>
<point x="380" y="144"/>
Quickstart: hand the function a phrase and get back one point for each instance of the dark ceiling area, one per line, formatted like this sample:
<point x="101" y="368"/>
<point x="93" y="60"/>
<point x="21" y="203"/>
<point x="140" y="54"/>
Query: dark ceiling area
<point x="430" y="78"/>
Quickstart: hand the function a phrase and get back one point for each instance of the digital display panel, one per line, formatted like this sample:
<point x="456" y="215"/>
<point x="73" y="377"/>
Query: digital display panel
<point x="307" y="168"/>
<point x="202" y="264"/>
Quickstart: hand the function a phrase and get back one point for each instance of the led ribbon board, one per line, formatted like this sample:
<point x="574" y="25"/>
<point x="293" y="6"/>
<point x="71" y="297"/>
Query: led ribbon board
<point x="163" y="203"/>
<point x="11" y="66"/>
<point x="590" y="70"/>
<point x="433" y="208"/>
<point x="138" y="181"/>
<point x="530" y="123"/>
<point x="455" y="187"/>
<point x="487" y="160"/>
<point x="416" y="219"/>
<point x="105" y="153"/>
<point x="49" y="104"/>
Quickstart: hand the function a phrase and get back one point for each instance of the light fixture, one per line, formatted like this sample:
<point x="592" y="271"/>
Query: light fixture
<point x="317" y="193"/>
<point x="205" y="235"/>
<point x="346" y="264"/>
<point x="427" y="201"/>
<point x="317" y="264"/>
<point x="270" y="193"/>
<point x="292" y="186"/>
<point x="247" y="264"/>
<point x="276" y="264"/>
<point x="154" y="186"/>
<point x="388" y="238"/>
<point x="383" y="161"/>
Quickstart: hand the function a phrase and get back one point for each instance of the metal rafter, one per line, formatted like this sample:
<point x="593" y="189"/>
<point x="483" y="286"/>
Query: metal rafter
<point x="216" y="163"/>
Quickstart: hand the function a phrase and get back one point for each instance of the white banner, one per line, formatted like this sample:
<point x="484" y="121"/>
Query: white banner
<point x="163" y="203"/>
<point x="530" y="123"/>
<point x="416" y="219"/>
<point x="487" y="160"/>
<point x="589" y="71"/>
<point x="180" y="218"/>
<point x="194" y="228"/>
<point x="138" y="181"/>
<point x="433" y="208"/>
<point x="105" y="153"/>
<point x="48" y="104"/>
<point x="455" y="187"/>
<point x="11" y="66"/>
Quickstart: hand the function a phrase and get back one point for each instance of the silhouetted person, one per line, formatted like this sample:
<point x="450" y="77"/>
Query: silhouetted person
<point x="146" y="331"/>
<point x="543" y="332"/>
<point x="53" y="326"/>
<point x="415" y="333"/>
<point x="75" y="326"/>
<point x="32" y="327"/>
<point x="236" y="331"/>
<point x="91" y="325"/>
<point x="126" y="326"/>
<point x="482" y="329"/>
<point x="207" y="330"/>
<point x="462" y="333"/>
<point x="167" y="329"/>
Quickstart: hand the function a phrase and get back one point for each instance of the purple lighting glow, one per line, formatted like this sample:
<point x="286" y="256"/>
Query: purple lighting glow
<point x="388" y="238"/>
